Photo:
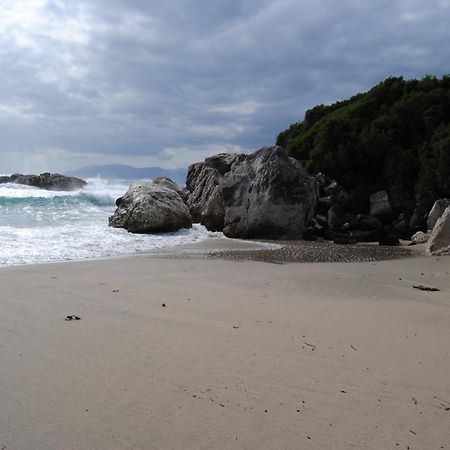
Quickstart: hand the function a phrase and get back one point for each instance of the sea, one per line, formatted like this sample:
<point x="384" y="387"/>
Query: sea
<point x="40" y="226"/>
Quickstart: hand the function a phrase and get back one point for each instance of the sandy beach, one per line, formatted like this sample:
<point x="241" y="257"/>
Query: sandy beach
<point x="183" y="353"/>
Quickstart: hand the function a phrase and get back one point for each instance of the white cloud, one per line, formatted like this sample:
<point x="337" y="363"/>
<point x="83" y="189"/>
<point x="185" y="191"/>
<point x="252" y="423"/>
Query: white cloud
<point x="152" y="82"/>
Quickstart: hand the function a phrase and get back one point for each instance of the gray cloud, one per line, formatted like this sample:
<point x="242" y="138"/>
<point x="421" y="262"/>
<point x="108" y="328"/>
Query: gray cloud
<point x="147" y="83"/>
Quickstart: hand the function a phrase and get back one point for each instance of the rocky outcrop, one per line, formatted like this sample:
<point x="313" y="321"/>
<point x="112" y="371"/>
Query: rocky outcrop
<point x="436" y="211"/>
<point x="439" y="241"/>
<point x="49" y="181"/>
<point x="151" y="208"/>
<point x="267" y="195"/>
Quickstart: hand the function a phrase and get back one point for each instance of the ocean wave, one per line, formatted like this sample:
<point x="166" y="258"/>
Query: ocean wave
<point x="38" y="226"/>
<point x="98" y="192"/>
<point x="86" y="241"/>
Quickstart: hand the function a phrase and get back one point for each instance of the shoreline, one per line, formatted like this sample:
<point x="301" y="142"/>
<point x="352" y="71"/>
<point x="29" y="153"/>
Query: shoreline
<point x="277" y="252"/>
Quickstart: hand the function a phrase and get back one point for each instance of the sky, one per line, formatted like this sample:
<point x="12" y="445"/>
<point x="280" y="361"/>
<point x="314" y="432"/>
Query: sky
<point x="168" y="83"/>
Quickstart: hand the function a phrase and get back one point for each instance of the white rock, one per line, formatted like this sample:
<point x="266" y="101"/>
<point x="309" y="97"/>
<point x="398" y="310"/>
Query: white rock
<point x="151" y="208"/>
<point x="436" y="211"/>
<point x="439" y="241"/>
<point x="420" y="237"/>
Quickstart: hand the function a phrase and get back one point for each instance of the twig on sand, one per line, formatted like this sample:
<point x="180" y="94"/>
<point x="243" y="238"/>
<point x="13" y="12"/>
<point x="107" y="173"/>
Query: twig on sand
<point x="441" y="400"/>
<point x="354" y="348"/>
<point x="426" y="288"/>
<point x="310" y="345"/>
<point x="445" y="405"/>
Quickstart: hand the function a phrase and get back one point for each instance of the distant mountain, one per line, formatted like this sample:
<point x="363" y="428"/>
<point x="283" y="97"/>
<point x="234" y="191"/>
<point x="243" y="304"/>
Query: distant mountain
<point x="120" y="171"/>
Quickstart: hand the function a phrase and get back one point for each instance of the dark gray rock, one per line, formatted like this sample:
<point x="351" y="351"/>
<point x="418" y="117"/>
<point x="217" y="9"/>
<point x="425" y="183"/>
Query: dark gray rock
<point x="401" y="229"/>
<point x="151" y="208"/>
<point x="322" y="220"/>
<point x="369" y="224"/>
<point x="267" y="195"/>
<point x="336" y="216"/>
<point x="326" y="201"/>
<point x="337" y="193"/>
<point x="389" y="240"/>
<point x="46" y="180"/>
<point x="417" y="221"/>
<point x="310" y="234"/>
<point x="368" y="236"/>
<point x="379" y="205"/>
<point x="344" y="240"/>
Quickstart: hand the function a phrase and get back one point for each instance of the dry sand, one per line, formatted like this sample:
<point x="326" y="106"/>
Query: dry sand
<point x="244" y="355"/>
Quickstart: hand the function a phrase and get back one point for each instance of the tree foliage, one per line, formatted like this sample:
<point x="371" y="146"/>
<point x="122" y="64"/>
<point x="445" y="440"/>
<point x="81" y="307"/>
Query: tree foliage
<point x="395" y="137"/>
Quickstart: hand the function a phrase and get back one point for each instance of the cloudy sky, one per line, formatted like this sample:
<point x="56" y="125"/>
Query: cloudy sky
<point x="166" y="83"/>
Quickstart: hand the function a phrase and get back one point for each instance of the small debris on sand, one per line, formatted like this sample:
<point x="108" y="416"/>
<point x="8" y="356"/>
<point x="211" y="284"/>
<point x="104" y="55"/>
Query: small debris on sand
<point x="426" y="288"/>
<point x="72" y="317"/>
<point x="313" y="347"/>
<point x="163" y="305"/>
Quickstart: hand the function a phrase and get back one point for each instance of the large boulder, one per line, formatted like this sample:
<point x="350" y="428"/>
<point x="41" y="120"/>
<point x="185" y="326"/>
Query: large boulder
<point x="379" y="205"/>
<point x="151" y="208"/>
<point x="436" y="211"/>
<point x="46" y="180"/>
<point x="267" y="195"/>
<point x="439" y="241"/>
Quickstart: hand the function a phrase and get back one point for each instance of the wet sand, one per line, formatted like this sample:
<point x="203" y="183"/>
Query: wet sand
<point x="206" y="353"/>
<point x="281" y="252"/>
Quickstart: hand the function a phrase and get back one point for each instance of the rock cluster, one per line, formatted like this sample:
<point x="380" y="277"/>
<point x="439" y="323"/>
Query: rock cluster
<point x="338" y="219"/>
<point x="49" y="181"/>
<point x="269" y="195"/>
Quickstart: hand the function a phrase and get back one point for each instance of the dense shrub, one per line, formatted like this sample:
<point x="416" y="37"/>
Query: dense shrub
<point x="395" y="137"/>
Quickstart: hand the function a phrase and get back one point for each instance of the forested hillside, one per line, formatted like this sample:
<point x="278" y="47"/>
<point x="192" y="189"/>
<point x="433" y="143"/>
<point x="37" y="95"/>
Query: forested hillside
<point x="395" y="137"/>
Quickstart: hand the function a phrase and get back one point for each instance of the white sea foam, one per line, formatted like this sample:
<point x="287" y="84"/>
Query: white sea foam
<point x="38" y="226"/>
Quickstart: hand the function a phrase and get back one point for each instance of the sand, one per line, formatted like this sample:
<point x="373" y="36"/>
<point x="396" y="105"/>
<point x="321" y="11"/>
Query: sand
<point x="244" y="355"/>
